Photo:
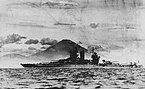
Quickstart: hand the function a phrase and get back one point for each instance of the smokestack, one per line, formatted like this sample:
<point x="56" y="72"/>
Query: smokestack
<point x="82" y="55"/>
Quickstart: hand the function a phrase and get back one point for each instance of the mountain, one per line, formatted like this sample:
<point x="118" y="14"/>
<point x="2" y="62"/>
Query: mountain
<point x="60" y="50"/>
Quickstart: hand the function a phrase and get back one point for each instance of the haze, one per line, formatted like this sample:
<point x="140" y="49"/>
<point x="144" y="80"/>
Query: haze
<point x="120" y="25"/>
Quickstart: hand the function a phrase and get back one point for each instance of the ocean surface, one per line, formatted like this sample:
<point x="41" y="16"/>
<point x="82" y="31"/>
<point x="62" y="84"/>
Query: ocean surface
<point x="72" y="78"/>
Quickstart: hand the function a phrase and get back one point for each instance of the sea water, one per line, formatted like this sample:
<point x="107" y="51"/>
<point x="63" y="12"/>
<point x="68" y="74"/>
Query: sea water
<point x="72" y="78"/>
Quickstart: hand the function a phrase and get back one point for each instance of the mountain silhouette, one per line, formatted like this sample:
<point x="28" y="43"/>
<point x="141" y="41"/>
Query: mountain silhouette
<point x="60" y="50"/>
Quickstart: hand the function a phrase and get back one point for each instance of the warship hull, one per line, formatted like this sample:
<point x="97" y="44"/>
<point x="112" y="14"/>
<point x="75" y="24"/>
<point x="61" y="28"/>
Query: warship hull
<point x="75" y="66"/>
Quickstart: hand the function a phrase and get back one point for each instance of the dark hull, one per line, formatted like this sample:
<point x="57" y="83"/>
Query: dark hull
<point x="73" y="66"/>
<point x="37" y="65"/>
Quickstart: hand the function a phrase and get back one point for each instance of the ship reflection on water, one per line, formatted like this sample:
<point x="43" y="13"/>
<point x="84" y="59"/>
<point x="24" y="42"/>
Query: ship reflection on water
<point x="74" y="78"/>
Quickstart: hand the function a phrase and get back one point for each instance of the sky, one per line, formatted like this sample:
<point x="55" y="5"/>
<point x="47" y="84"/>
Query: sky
<point x="120" y="24"/>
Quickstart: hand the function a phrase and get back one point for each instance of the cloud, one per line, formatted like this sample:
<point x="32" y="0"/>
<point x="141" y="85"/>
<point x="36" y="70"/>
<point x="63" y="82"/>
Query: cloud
<point x="32" y="48"/>
<point x="25" y="24"/>
<point x="12" y="38"/>
<point x="31" y="41"/>
<point x="114" y="47"/>
<point x="115" y="4"/>
<point x="1" y="41"/>
<point x="48" y="41"/>
<point x="93" y="25"/>
<point x="92" y="48"/>
<point x="44" y="47"/>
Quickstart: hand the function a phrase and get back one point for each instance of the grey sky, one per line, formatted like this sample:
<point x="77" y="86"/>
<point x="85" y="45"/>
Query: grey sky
<point x="118" y="23"/>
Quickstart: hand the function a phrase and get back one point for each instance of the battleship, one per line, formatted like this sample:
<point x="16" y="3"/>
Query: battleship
<point x="76" y="58"/>
<point x="63" y="47"/>
<point x="67" y="63"/>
